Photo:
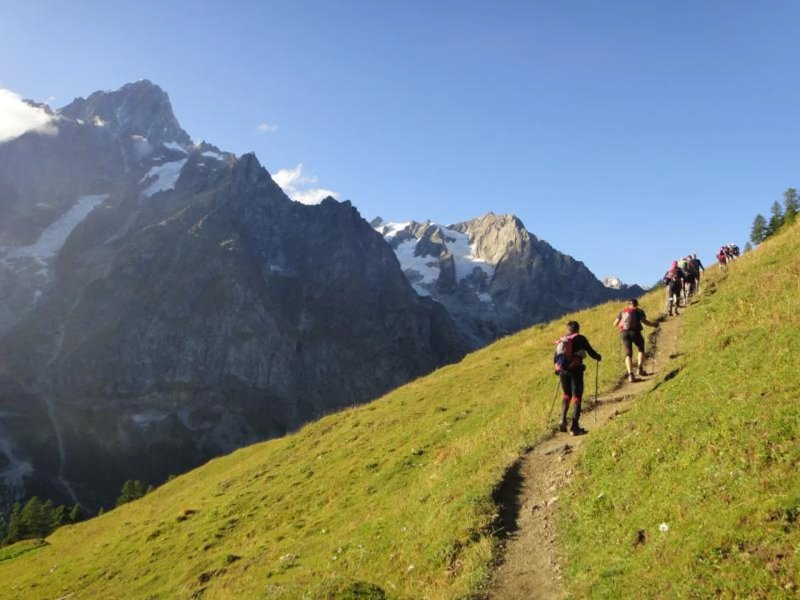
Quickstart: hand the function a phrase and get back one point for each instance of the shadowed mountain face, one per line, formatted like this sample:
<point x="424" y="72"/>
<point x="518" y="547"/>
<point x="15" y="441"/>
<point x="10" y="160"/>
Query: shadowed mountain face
<point x="493" y="276"/>
<point x="162" y="302"/>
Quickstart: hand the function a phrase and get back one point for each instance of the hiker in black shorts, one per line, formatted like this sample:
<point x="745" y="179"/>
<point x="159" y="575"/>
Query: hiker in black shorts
<point x="630" y="322"/>
<point x="571" y="349"/>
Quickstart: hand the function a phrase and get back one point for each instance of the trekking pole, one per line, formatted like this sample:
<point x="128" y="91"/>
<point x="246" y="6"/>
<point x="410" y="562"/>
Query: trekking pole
<point x="596" y="377"/>
<point x="553" y="405"/>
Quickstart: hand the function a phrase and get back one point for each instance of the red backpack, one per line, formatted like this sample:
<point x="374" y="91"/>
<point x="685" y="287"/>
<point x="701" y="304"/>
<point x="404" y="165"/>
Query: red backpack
<point x="629" y="320"/>
<point x="565" y="355"/>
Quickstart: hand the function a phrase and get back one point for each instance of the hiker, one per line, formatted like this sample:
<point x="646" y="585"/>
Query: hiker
<point x="630" y="321"/>
<point x="690" y="275"/>
<point x="698" y="266"/>
<point x="674" y="282"/>
<point x="722" y="257"/>
<point x="571" y="348"/>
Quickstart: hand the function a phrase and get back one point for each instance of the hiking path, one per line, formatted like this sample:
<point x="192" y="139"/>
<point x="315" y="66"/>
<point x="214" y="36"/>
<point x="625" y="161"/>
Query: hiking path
<point x="529" y="564"/>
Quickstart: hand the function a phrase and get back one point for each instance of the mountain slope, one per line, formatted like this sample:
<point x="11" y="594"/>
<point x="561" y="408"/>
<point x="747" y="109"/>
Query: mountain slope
<point x="493" y="275"/>
<point x="399" y="493"/>
<point x="712" y="454"/>
<point x="163" y="302"/>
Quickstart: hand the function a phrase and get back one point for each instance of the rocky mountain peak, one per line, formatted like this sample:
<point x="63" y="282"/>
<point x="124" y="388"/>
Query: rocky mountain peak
<point x="140" y="108"/>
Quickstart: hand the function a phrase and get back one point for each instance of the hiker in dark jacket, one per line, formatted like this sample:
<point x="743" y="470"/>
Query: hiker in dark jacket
<point x="698" y="266"/>
<point x="630" y="322"/>
<point x="570" y="368"/>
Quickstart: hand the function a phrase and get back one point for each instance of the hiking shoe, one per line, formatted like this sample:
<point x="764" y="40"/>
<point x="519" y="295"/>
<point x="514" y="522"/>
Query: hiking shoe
<point x="642" y="373"/>
<point x="562" y="428"/>
<point x="631" y="378"/>
<point x="578" y="431"/>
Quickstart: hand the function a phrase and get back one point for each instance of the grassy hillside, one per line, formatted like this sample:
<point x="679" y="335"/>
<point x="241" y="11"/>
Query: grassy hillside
<point x="713" y="452"/>
<point x="396" y="494"/>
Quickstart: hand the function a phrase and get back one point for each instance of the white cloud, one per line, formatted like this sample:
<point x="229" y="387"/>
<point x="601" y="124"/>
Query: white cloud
<point x="266" y="128"/>
<point x="298" y="186"/>
<point x="18" y="117"/>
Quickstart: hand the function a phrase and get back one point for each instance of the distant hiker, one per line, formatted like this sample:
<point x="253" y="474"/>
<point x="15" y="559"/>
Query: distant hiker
<point x="630" y="321"/>
<point x="690" y="275"/>
<point x="674" y="281"/>
<point x="722" y="257"/>
<point x="698" y="266"/>
<point x="571" y="349"/>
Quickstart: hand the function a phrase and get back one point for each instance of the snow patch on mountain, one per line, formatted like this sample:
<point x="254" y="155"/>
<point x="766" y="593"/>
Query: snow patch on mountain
<point x="215" y="155"/>
<point x="166" y="176"/>
<point x="174" y="146"/>
<point x="52" y="239"/>
<point x="464" y="255"/>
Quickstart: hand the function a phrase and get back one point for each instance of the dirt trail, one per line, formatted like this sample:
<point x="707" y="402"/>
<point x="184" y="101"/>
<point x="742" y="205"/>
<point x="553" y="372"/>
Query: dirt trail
<point x="529" y="569"/>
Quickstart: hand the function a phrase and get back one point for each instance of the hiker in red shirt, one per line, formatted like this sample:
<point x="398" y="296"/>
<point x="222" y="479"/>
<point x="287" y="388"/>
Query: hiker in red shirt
<point x="630" y="322"/>
<point x="571" y="349"/>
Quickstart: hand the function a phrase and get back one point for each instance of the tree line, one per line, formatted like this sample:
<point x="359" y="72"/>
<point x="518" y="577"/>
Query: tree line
<point x="38" y="519"/>
<point x="779" y="216"/>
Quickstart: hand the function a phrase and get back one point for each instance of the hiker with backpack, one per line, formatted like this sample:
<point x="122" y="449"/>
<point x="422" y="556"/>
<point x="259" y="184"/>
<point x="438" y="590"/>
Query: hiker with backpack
<point x="722" y="257"/>
<point x="690" y="275"/>
<point x="674" y="281"/>
<point x="630" y="321"/>
<point x="571" y="349"/>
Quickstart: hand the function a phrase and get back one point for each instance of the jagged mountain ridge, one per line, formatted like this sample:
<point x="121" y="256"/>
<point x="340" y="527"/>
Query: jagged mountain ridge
<point x="492" y="274"/>
<point x="163" y="302"/>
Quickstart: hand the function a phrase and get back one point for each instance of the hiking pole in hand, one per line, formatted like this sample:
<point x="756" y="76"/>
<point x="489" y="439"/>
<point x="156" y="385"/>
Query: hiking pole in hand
<point x="596" y="377"/>
<point x="553" y="405"/>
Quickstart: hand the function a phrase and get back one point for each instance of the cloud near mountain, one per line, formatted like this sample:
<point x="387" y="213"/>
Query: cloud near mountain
<point x="18" y="117"/>
<point x="298" y="186"/>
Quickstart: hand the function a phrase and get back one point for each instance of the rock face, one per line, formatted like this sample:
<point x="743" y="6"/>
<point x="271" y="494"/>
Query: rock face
<point x="162" y="302"/>
<point x="493" y="276"/>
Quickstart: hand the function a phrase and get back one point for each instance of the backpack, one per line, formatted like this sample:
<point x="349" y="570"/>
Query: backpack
<point x="565" y="357"/>
<point x="672" y="276"/>
<point x="629" y="320"/>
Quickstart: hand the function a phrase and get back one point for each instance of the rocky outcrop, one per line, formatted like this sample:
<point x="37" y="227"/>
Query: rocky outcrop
<point x="493" y="276"/>
<point x="181" y="305"/>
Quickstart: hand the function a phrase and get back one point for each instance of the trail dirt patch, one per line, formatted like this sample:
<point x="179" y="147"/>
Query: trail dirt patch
<point x="529" y="567"/>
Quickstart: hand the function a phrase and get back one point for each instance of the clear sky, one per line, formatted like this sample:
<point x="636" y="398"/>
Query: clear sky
<point x="623" y="133"/>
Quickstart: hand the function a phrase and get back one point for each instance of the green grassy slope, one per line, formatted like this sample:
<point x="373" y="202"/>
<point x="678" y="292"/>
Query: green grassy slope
<point x="397" y="493"/>
<point x="713" y="452"/>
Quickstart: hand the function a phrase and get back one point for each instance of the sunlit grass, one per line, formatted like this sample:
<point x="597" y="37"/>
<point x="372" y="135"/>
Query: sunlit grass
<point x="397" y="493"/>
<point x="712" y="452"/>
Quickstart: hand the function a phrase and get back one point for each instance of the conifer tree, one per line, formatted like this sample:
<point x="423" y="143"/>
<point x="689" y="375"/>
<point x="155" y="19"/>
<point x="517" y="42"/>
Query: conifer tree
<point x="76" y="514"/>
<point x="131" y="490"/>
<point x="60" y="516"/>
<point x="759" y="230"/>
<point x="776" y="220"/>
<point x="15" y="530"/>
<point x="35" y="520"/>
<point x="748" y="246"/>
<point x="792" y="205"/>
<point x="3" y="528"/>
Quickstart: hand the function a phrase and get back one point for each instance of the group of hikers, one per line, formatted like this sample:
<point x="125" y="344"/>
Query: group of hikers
<point x="682" y="281"/>
<point x="727" y="253"/>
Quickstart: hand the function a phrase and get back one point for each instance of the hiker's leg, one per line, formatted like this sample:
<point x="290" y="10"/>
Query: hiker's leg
<point x="638" y="340"/>
<point x="577" y="394"/>
<point x="625" y="336"/>
<point x="566" y="387"/>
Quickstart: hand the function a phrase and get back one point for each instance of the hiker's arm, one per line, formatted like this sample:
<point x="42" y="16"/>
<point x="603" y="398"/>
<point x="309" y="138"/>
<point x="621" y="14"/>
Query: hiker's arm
<point x="646" y="322"/>
<point x="591" y="351"/>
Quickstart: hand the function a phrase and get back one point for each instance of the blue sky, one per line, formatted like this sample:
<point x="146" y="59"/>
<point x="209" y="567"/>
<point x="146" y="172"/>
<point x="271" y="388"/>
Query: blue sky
<point x="623" y="133"/>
